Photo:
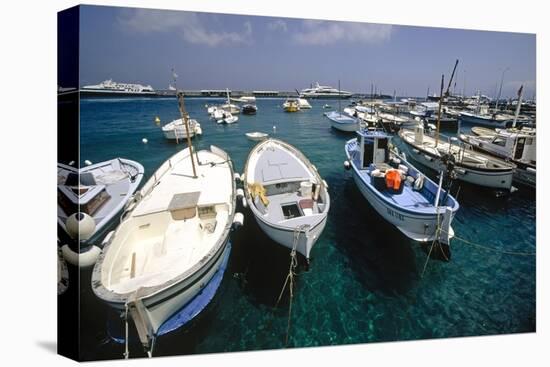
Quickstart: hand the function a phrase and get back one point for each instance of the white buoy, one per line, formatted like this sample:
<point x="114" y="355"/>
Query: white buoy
<point x="87" y="162"/>
<point x="274" y="128"/>
<point x="347" y="165"/>
<point x="144" y="140"/>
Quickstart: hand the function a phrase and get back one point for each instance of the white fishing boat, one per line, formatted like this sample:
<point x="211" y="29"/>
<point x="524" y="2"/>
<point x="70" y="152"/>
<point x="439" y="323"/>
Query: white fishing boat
<point x="400" y="193"/>
<point x="286" y="194"/>
<point x="170" y="242"/>
<point x="473" y="167"/>
<point x="176" y="129"/>
<point x="89" y="201"/>
<point x="515" y="145"/>
<point x="257" y="136"/>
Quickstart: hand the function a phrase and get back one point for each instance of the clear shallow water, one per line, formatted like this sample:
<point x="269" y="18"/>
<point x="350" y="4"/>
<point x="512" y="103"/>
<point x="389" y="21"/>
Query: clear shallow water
<point x="364" y="282"/>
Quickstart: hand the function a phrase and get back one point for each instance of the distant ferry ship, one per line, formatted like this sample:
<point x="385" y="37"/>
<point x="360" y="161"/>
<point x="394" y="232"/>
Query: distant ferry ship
<point x="114" y="88"/>
<point x="320" y="91"/>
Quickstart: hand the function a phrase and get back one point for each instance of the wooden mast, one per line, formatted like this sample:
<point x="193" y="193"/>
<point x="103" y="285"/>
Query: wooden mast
<point x="185" y="118"/>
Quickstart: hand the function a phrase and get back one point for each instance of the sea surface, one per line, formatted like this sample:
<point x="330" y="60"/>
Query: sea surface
<point x="366" y="282"/>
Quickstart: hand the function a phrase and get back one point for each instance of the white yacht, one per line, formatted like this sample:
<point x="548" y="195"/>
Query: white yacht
<point x="321" y="91"/>
<point x="111" y="87"/>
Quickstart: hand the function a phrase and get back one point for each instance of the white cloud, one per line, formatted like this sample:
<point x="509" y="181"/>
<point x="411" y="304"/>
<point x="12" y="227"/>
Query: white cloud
<point x="317" y="32"/>
<point x="277" y="25"/>
<point x="188" y="25"/>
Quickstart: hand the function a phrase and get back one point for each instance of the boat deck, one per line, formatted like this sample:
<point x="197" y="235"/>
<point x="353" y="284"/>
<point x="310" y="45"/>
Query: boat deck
<point x="409" y="198"/>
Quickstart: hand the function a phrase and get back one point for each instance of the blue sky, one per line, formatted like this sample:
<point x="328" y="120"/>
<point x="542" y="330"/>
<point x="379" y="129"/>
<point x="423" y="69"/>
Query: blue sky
<point x="215" y="51"/>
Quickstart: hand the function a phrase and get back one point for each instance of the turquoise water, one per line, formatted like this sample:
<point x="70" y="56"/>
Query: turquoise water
<point x="365" y="281"/>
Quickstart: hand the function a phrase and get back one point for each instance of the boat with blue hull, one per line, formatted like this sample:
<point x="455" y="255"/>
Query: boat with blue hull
<point x="421" y="209"/>
<point x="342" y="121"/>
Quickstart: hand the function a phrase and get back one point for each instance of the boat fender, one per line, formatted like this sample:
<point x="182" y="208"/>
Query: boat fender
<point x="238" y="220"/>
<point x="87" y="162"/>
<point x="325" y="184"/>
<point x="347" y="165"/>
<point x="240" y="193"/>
<point x="82" y="260"/>
<point x="237" y="177"/>
<point x="419" y="182"/>
<point x="245" y="204"/>
<point x="80" y="226"/>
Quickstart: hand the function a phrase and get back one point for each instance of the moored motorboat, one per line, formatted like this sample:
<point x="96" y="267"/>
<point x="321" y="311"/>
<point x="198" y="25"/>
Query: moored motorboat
<point x="177" y="130"/>
<point x="249" y="109"/>
<point x="342" y="121"/>
<point x="89" y="201"/>
<point x="400" y="193"/>
<point x="257" y="136"/>
<point x="291" y="105"/>
<point x="170" y="242"/>
<point x="286" y="195"/>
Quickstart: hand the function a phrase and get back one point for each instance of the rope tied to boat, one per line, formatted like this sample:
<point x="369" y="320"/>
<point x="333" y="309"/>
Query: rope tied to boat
<point x="291" y="273"/>
<point x="493" y="249"/>
<point x="126" y="352"/>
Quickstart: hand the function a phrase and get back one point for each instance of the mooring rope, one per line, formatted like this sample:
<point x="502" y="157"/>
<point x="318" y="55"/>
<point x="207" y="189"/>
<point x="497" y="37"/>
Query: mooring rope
<point x="126" y="353"/>
<point x="290" y="277"/>
<point x="494" y="249"/>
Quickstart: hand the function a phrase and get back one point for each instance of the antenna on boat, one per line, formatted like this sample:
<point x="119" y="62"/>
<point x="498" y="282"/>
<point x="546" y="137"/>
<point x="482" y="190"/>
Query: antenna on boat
<point x="441" y="96"/>
<point x="185" y="118"/>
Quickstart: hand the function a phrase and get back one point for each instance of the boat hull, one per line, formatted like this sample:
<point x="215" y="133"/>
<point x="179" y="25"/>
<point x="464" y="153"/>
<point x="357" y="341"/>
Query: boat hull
<point x="162" y="305"/>
<point x="171" y="134"/>
<point x="419" y="227"/>
<point x="285" y="236"/>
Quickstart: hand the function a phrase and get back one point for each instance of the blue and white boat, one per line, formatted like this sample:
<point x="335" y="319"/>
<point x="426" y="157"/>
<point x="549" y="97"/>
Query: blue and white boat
<point x="342" y="121"/>
<point x="417" y="206"/>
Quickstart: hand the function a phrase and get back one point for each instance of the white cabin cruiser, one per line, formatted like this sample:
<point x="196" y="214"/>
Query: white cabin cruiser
<point x="286" y="194"/>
